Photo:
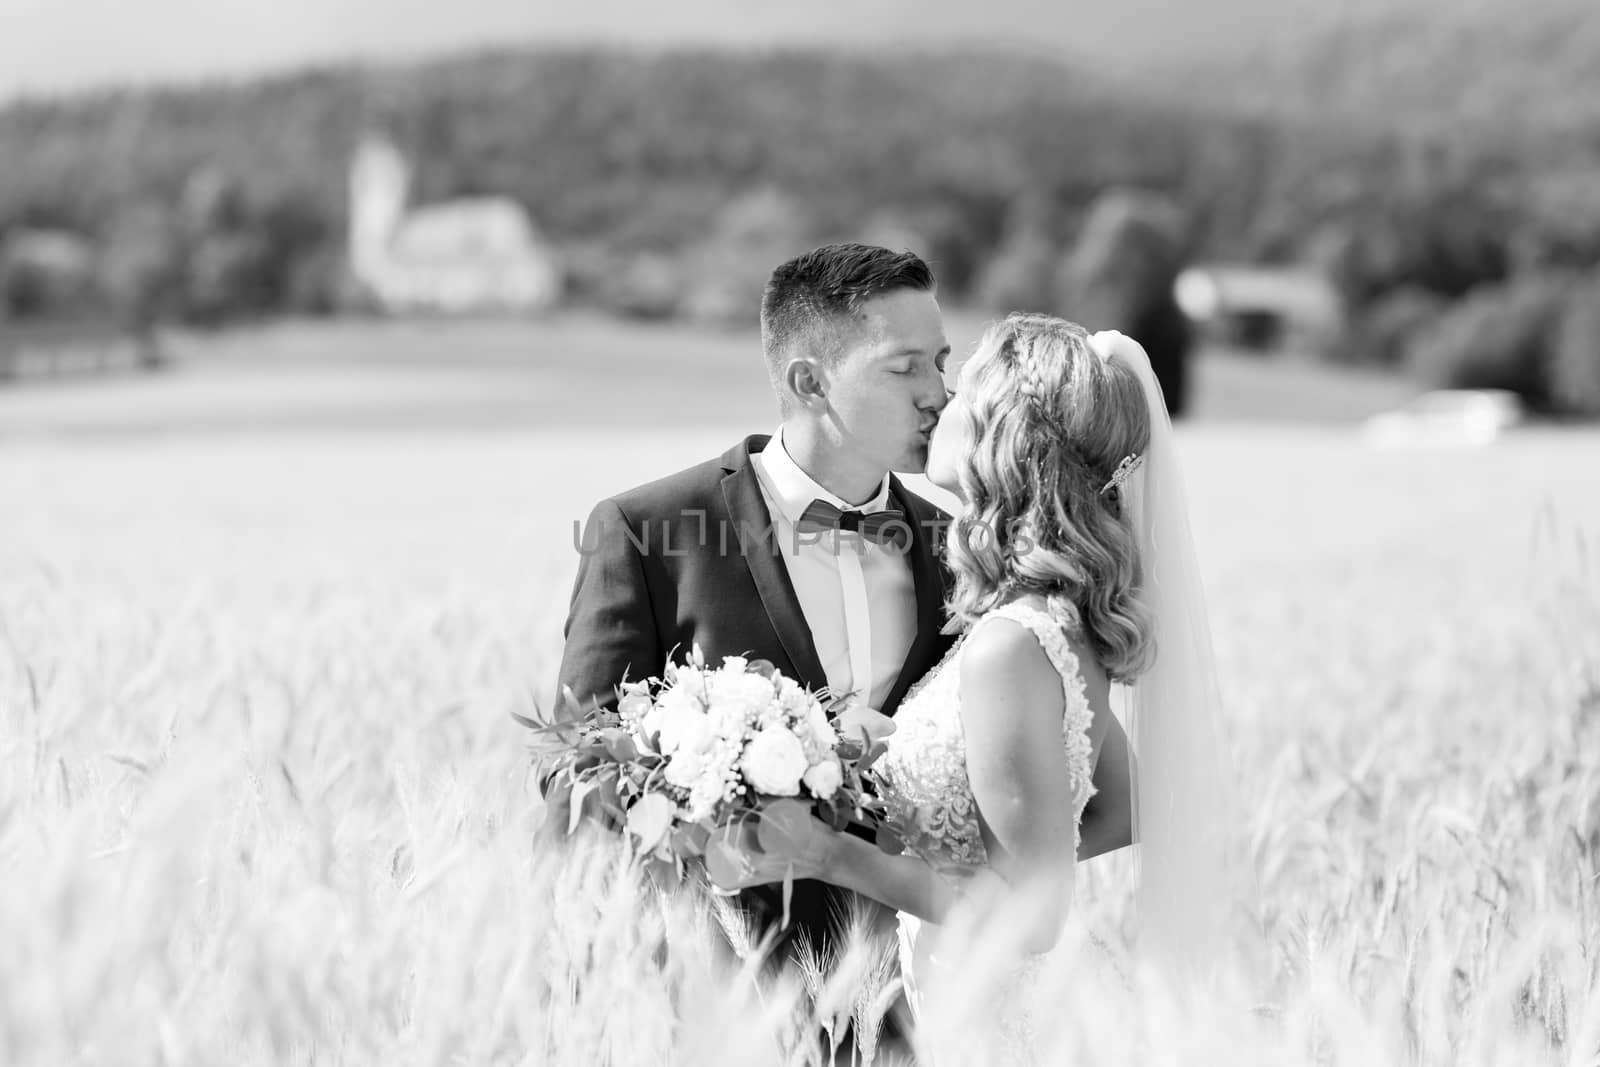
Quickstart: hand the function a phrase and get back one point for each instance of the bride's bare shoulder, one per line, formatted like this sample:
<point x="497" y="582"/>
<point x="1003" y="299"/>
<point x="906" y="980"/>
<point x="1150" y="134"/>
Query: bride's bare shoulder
<point x="1067" y="632"/>
<point x="1003" y="655"/>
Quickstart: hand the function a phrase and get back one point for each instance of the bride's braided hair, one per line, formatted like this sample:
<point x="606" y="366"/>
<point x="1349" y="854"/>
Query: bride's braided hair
<point x="1039" y="388"/>
<point x="1049" y="424"/>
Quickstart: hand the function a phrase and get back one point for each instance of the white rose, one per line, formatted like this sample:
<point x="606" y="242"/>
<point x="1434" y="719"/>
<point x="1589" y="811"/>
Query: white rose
<point x="824" y="779"/>
<point x="684" y="768"/>
<point x="736" y="664"/>
<point x="792" y="695"/>
<point x="738" y="700"/>
<point x="683" y="726"/>
<point x="747" y="690"/>
<point x="774" y="760"/>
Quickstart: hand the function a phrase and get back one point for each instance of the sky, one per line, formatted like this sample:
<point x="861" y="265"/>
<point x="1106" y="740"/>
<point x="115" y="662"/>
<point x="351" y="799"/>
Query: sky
<point x="55" y="45"/>
<point x="65" y="45"/>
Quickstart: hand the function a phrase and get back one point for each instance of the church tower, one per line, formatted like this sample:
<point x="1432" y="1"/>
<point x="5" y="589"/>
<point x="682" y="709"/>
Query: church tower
<point x="380" y="182"/>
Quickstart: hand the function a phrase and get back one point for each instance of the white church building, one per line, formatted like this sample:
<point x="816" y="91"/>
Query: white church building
<point x="467" y="256"/>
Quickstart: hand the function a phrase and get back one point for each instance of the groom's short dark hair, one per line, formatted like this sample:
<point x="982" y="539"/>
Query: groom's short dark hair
<point x="830" y="283"/>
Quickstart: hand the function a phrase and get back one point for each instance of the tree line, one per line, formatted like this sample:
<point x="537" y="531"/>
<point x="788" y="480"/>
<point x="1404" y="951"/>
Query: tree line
<point x="652" y="172"/>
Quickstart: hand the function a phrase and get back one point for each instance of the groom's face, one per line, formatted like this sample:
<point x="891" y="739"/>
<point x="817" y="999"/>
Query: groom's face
<point x="887" y="388"/>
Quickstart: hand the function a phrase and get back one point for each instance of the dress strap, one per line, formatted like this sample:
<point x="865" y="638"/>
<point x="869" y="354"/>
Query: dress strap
<point x="1050" y="627"/>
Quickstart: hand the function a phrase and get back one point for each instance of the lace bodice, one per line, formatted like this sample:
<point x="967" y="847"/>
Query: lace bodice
<point x="923" y="775"/>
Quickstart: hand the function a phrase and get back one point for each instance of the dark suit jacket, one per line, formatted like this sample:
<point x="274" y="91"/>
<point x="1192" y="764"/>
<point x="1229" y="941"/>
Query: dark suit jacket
<point x="694" y="559"/>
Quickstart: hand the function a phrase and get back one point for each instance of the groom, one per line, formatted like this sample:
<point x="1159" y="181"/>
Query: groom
<point x="800" y="548"/>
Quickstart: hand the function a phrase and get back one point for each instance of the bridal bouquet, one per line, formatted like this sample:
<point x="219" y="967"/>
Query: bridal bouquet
<point x="688" y="757"/>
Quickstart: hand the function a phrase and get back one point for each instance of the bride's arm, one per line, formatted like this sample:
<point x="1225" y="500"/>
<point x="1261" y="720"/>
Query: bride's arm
<point x="1011" y="713"/>
<point x="1011" y="710"/>
<point x="902" y="882"/>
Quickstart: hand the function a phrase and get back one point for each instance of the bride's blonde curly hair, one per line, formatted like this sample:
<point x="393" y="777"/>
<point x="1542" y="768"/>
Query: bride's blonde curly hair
<point x="1050" y="422"/>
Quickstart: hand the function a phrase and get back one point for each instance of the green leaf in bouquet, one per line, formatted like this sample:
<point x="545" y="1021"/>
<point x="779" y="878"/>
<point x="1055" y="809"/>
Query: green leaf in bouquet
<point x="785" y="826"/>
<point x="690" y="840"/>
<point x="618" y="745"/>
<point x="570" y="708"/>
<point x="888" y="840"/>
<point x="878" y="749"/>
<point x="724" y="863"/>
<point x="558" y="800"/>
<point x="551" y="728"/>
<point x="834" y="815"/>
<point x="609" y="799"/>
<point x="576" y="799"/>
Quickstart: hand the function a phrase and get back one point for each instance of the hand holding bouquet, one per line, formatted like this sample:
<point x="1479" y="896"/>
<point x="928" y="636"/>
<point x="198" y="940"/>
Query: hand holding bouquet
<point x="687" y="763"/>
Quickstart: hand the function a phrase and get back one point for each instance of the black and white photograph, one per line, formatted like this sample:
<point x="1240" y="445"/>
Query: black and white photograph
<point x="812" y="535"/>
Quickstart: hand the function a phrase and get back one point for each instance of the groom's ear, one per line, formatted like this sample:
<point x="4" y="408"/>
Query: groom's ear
<point x="804" y="379"/>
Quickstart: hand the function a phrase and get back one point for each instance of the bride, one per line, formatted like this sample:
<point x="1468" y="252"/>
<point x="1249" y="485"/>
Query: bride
<point x="1074" y="569"/>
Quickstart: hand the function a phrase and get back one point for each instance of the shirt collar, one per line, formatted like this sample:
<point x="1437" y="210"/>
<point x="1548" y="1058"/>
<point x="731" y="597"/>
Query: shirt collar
<point x="795" y="489"/>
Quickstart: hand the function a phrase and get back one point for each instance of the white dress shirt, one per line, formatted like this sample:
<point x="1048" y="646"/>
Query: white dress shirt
<point x="858" y="597"/>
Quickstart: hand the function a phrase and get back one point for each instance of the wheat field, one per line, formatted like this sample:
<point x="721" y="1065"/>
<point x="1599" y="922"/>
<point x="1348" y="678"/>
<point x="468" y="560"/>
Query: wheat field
<point x="262" y="800"/>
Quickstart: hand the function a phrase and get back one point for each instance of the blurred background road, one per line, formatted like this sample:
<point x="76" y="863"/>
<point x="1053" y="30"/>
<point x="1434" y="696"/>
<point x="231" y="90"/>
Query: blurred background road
<point x="578" y="373"/>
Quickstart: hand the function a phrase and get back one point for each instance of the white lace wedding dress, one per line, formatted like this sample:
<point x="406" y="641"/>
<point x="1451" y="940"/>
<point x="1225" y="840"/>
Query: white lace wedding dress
<point x="923" y="778"/>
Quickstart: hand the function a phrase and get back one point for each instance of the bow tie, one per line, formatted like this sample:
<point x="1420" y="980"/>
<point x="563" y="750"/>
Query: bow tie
<point x="887" y="527"/>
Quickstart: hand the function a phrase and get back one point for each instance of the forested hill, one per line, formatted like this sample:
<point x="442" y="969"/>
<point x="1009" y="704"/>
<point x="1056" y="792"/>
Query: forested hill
<point x="590" y="138"/>
<point x="623" y="150"/>
<point x="1516" y="64"/>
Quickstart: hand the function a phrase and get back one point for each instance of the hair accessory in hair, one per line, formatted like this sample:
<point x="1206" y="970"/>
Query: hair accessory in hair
<point x="1104" y="345"/>
<point x="1129" y="464"/>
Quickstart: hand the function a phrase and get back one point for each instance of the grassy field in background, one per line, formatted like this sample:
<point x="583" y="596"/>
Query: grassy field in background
<point x="261" y="800"/>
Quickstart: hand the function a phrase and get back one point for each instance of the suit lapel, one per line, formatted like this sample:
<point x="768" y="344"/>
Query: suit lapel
<point x="929" y="581"/>
<point x="756" y="535"/>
